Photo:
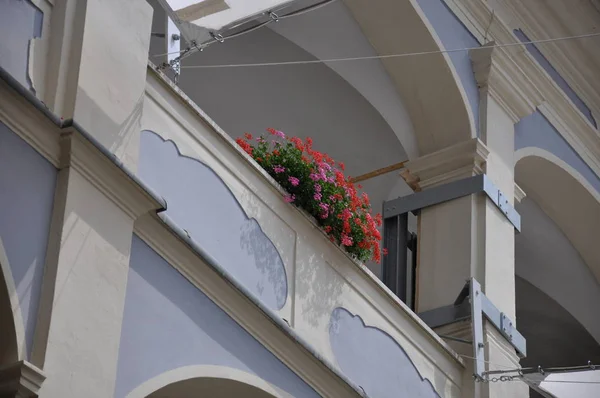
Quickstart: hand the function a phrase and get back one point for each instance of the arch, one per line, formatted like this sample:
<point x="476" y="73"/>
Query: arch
<point x="12" y="329"/>
<point x="566" y="197"/>
<point x="429" y="85"/>
<point x="208" y="376"/>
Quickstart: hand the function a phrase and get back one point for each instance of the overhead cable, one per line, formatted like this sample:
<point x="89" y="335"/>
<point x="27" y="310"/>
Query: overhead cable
<point x="386" y="56"/>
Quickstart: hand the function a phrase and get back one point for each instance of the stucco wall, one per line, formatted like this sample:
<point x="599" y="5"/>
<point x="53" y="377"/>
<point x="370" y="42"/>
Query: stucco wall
<point x="27" y="183"/>
<point x="168" y="323"/>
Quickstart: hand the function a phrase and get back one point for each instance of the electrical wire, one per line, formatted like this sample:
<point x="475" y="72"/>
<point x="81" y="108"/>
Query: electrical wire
<point x="318" y="61"/>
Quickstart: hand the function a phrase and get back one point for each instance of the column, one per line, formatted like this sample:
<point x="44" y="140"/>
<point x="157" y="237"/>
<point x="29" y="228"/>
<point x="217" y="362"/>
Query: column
<point x="470" y="237"/>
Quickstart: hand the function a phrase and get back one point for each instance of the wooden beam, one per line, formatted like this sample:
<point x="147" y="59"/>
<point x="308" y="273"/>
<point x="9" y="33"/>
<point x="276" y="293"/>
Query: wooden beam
<point x="378" y="172"/>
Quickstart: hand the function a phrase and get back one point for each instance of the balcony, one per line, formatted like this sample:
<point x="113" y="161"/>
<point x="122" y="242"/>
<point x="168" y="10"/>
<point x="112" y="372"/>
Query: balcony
<point x="225" y="206"/>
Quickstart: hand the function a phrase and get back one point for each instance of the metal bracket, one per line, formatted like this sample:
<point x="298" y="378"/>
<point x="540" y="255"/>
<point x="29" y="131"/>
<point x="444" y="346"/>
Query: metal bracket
<point x="450" y="191"/>
<point x="472" y="303"/>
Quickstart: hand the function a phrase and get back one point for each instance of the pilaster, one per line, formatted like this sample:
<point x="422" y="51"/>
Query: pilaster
<point x="97" y="69"/>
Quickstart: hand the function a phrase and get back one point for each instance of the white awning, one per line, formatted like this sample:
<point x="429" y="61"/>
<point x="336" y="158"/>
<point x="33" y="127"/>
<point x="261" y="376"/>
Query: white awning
<point x="197" y="18"/>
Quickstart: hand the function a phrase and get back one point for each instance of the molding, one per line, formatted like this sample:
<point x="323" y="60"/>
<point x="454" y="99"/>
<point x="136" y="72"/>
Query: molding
<point x="21" y="379"/>
<point x="312" y="369"/>
<point x="519" y="193"/>
<point x="515" y="94"/>
<point x="462" y="160"/>
<point x="82" y="156"/>
<point x="29" y="124"/>
<point x="576" y="129"/>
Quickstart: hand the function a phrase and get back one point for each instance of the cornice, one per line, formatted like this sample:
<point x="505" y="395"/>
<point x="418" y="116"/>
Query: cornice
<point x="495" y="76"/>
<point x="242" y="309"/>
<point x="464" y="159"/>
<point x="519" y="66"/>
<point x="29" y="124"/>
<point x="21" y="379"/>
<point x="78" y="153"/>
<point x="537" y="24"/>
<point x="519" y="193"/>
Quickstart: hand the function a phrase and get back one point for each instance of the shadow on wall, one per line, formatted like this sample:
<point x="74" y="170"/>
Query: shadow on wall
<point x="374" y="360"/>
<point x="200" y="202"/>
<point x="169" y="323"/>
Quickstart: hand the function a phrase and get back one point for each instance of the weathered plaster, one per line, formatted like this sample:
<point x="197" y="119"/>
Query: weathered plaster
<point x="20" y="22"/>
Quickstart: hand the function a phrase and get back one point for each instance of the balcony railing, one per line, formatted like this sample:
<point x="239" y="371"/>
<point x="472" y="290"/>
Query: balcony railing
<point x="343" y="310"/>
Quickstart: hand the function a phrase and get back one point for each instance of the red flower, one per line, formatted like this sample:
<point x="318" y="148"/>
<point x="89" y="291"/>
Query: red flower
<point x="298" y="143"/>
<point x="244" y="145"/>
<point x="248" y="136"/>
<point x="385" y="251"/>
<point x="343" y="167"/>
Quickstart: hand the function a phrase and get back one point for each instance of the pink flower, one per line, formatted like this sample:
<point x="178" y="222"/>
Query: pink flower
<point x="280" y="134"/>
<point x="260" y="139"/>
<point x="318" y="196"/>
<point x="332" y="198"/>
<point x="314" y="177"/>
<point x="346" y="240"/>
<point x="317" y="188"/>
<point x="278" y="169"/>
<point x="290" y="198"/>
<point x="324" y="207"/>
<point x="294" y="181"/>
<point x="324" y="215"/>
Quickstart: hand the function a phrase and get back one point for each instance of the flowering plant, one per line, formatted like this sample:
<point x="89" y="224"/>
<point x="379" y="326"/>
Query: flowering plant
<point x="316" y="183"/>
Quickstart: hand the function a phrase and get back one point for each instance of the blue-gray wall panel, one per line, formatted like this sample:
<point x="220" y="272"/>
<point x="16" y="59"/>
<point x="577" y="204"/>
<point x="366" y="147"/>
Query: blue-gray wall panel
<point x="199" y="202"/>
<point x="373" y="360"/>
<point x="20" y="21"/>
<point x="168" y="323"/>
<point x="27" y="183"/>
<point x="454" y="35"/>
<point x="536" y="131"/>
<point x="558" y="79"/>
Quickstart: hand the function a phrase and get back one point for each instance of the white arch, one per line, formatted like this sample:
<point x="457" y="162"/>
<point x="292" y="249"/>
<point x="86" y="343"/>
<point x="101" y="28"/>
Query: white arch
<point x="430" y="87"/>
<point x="557" y="187"/>
<point x="209" y="372"/>
<point x="13" y="297"/>
<point x="541" y="153"/>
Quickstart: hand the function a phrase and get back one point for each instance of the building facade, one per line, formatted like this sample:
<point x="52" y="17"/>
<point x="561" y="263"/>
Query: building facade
<point x="144" y="254"/>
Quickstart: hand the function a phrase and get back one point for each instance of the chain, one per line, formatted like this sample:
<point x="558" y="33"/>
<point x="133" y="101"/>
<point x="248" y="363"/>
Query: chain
<point x="487" y="379"/>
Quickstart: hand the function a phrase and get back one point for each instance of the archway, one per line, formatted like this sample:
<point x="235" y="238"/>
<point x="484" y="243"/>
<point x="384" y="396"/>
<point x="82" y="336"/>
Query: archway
<point x="206" y="381"/>
<point x="557" y="263"/>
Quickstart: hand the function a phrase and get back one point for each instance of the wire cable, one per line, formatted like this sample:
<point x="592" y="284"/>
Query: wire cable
<point x="273" y="18"/>
<point x="319" y="61"/>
